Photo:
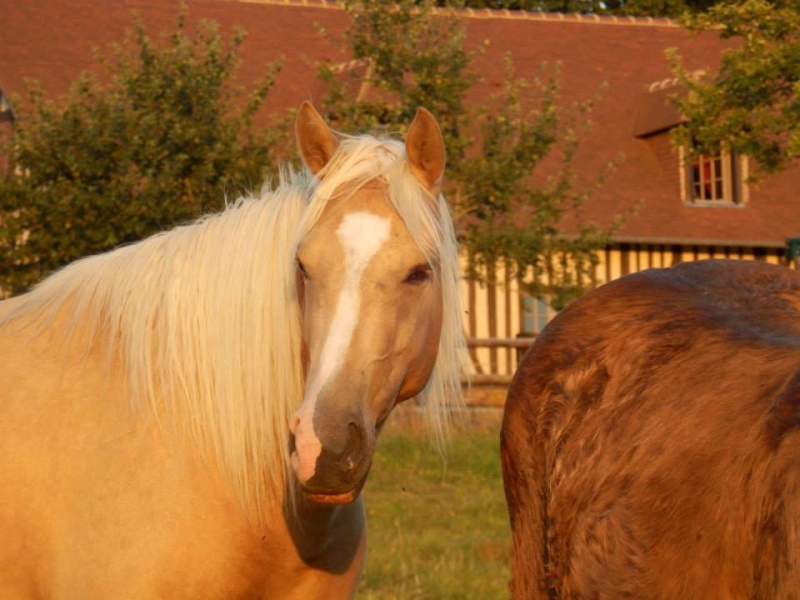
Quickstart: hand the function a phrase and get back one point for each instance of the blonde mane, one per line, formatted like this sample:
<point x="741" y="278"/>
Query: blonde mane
<point x="205" y="323"/>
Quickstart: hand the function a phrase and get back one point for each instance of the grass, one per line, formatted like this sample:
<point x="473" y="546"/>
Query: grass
<point x="437" y="528"/>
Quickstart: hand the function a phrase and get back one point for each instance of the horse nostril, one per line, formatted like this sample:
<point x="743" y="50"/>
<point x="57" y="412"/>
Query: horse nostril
<point x="355" y="446"/>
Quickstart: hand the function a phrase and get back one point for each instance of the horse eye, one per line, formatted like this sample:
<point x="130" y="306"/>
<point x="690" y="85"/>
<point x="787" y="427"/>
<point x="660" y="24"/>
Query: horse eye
<point x="418" y="275"/>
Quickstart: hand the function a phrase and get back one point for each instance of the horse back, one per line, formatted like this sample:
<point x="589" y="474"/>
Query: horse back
<point x="650" y="439"/>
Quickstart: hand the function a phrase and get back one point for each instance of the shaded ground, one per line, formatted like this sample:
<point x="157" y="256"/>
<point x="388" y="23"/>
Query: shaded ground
<point x="438" y="527"/>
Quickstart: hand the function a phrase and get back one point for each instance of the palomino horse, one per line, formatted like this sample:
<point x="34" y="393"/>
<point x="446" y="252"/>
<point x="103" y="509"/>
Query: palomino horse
<point x="193" y="416"/>
<point x="651" y="441"/>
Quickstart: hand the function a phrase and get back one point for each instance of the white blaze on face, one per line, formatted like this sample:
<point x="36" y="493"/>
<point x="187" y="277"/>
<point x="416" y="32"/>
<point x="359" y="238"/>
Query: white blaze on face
<point x="361" y="235"/>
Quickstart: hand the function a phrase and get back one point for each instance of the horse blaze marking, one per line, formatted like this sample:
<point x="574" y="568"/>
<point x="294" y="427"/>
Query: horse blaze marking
<point x="361" y="235"/>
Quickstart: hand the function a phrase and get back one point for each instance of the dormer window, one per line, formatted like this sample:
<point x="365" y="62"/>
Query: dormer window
<point x="713" y="179"/>
<point x="705" y="179"/>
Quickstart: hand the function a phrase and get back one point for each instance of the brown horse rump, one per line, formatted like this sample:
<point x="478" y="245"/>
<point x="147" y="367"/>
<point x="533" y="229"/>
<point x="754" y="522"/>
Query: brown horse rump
<point x="651" y="444"/>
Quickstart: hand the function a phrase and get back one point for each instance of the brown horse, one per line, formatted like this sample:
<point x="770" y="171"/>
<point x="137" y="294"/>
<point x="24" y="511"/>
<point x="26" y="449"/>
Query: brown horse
<point x="651" y="440"/>
<point x="194" y="416"/>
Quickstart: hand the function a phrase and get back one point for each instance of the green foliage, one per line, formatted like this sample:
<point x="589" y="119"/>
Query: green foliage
<point x="402" y="59"/>
<point x="753" y="104"/>
<point x="163" y="137"/>
<point x="406" y="56"/>
<point x="511" y="213"/>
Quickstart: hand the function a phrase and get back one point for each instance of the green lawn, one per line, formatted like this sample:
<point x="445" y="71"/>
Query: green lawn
<point x="437" y="527"/>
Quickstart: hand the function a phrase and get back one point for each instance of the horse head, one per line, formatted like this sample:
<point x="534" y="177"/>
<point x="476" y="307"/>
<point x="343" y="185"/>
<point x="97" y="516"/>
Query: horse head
<point x="371" y="301"/>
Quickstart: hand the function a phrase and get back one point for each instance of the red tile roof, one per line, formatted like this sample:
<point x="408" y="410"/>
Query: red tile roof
<point x="53" y="40"/>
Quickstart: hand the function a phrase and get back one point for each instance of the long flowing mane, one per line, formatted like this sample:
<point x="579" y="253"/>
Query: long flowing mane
<point x="205" y="323"/>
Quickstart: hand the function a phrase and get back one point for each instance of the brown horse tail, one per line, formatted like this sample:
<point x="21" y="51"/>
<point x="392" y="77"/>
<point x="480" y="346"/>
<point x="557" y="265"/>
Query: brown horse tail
<point x="523" y="469"/>
<point x="522" y="450"/>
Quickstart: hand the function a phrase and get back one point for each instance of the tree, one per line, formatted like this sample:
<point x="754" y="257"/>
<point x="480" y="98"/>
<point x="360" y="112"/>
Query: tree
<point x="406" y="56"/>
<point x="163" y="137"/>
<point x="752" y="105"/>
<point x="514" y="214"/>
<point x="403" y="58"/>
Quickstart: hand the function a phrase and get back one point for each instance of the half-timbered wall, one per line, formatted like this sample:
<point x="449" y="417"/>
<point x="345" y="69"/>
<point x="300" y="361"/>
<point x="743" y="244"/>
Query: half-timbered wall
<point x="497" y="309"/>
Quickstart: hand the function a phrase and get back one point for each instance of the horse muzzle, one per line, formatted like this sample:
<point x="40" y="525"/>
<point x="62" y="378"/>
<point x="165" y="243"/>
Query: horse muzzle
<point x="332" y="467"/>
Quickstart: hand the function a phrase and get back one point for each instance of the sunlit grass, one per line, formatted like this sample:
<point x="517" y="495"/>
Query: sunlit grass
<point x="437" y="528"/>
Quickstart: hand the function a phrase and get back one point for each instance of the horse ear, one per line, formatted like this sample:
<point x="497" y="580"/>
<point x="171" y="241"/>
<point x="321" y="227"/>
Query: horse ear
<point x="315" y="140"/>
<point x="425" y="150"/>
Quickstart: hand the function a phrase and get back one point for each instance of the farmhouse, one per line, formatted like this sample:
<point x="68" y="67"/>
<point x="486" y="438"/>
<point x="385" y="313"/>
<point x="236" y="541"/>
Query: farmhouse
<point x="684" y="209"/>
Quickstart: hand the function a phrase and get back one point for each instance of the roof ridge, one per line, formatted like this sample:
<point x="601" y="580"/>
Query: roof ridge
<point x="525" y="15"/>
<point x="488" y="13"/>
<point x="331" y="4"/>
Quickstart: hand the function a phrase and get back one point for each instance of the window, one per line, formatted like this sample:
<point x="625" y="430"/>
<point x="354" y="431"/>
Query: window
<point x="713" y="179"/>
<point x="536" y="313"/>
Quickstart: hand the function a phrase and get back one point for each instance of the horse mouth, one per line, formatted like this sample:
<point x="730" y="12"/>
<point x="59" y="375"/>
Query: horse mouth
<point x="321" y="496"/>
<point x="345" y="498"/>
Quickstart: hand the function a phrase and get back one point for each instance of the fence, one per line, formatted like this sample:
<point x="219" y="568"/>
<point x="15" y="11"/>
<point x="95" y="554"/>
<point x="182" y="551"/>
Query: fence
<point x="494" y="360"/>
